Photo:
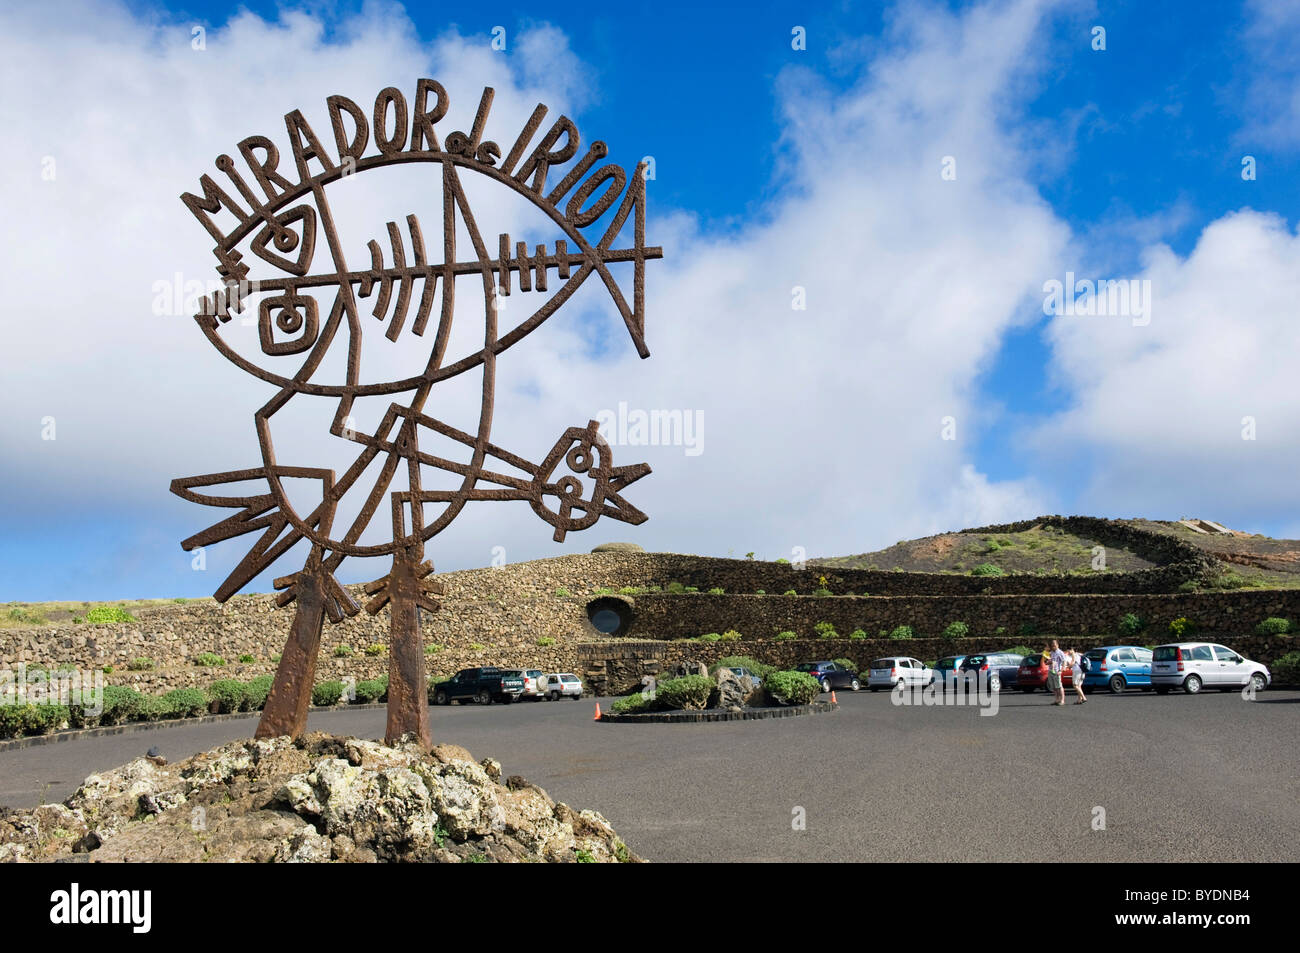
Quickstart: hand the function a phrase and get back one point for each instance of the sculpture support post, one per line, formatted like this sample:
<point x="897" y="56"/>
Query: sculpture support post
<point x="405" y="592"/>
<point x="290" y="698"/>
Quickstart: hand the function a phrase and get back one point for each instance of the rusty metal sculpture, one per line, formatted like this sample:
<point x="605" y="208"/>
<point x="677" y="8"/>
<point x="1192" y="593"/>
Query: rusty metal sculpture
<point x="281" y="227"/>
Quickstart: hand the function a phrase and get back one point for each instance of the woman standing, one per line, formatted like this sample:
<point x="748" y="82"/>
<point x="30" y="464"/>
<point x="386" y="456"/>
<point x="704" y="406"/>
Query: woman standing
<point x="1075" y="660"/>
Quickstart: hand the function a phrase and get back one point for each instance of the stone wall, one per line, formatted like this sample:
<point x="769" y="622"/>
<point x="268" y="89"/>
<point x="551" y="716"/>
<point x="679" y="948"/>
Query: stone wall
<point x="1217" y="614"/>
<point x="499" y="616"/>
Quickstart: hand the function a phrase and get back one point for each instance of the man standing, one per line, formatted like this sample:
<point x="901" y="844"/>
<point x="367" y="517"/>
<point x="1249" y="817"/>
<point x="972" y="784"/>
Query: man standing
<point x="1055" y="664"/>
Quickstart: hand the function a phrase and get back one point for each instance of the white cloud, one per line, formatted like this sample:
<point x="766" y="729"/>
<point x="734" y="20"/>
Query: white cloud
<point x="1156" y="416"/>
<point x="822" y="426"/>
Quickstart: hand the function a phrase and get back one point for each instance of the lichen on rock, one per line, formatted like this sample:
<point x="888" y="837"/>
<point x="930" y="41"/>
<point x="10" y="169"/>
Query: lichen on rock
<point x="315" y="800"/>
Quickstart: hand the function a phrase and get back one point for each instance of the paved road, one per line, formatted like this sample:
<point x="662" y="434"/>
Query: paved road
<point x="1204" y="778"/>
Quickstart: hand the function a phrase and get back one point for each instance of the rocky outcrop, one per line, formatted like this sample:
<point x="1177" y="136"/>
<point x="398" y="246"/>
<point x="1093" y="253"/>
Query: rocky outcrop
<point x="316" y="800"/>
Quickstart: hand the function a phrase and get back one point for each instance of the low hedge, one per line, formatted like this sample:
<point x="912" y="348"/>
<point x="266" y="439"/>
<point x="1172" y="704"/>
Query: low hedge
<point x="1286" y="670"/>
<point x="631" y="704"/>
<point x="690" y="692"/>
<point x="327" y="693"/>
<point x="372" y="690"/>
<point x="230" y="695"/>
<point x="792" y="688"/>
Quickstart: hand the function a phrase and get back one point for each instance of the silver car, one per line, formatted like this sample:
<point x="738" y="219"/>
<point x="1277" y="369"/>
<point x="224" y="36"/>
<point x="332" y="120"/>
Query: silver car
<point x="560" y="684"/>
<point x="1192" y="666"/>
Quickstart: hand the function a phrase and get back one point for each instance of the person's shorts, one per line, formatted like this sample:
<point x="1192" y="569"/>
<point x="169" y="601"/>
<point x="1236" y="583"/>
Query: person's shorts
<point x="1077" y="676"/>
<point x="1053" y="682"/>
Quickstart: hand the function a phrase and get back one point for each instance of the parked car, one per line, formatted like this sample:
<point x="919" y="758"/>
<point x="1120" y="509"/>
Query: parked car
<point x="831" y="675"/>
<point x="1032" y="674"/>
<point x="1001" y="669"/>
<point x="560" y="684"/>
<point x="945" y="670"/>
<point x="1192" y="666"/>
<point x="898" y="670"/>
<point x="533" y="683"/>
<point x="1118" y="667"/>
<point x="484" y="685"/>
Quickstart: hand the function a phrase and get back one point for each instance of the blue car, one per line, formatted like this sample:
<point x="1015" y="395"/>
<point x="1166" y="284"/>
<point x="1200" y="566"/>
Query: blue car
<point x="1118" y="667"/>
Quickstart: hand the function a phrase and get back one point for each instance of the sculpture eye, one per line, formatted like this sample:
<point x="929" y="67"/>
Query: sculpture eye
<point x="290" y="314"/>
<point x="294" y="230"/>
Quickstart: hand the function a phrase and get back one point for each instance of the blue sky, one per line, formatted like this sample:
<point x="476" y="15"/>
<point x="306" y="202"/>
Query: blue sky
<point x="1121" y="163"/>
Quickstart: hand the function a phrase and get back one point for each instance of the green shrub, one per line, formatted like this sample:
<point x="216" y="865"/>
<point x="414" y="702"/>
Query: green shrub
<point x="822" y="593"/>
<point x="372" y="690"/>
<point x="327" y="693"/>
<point x="1181" y="627"/>
<point x="631" y="704"/>
<point x="792" y="688"/>
<point x="731" y="635"/>
<point x="825" y="630"/>
<point x="141" y="664"/>
<point x="477" y="646"/>
<point x="184" y="702"/>
<point x="631" y="590"/>
<point x="782" y="561"/>
<point x="1021" y="650"/>
<point x="717" y="591"/>
<point x="1286" y="670"/>
<point x="257" y="689"/>
<point x="1188" y="585"/>
<point x="690" y="692"/>
<point x="432" y="648"/>
<point x="107" y="670"/>
<point x="790" y="592"/>
<point x="760" y="592"/>
<point x="230" y="695"/>
<point x="858" y="635"/>
<point x="1273" y="626"/>
<point x="545" y="641"/>
<point x="1130" y="624"/>
<point x="209" y="660"/>
<point x="786" y="636"/>
<point x="692" y="588"/>
<point x="342" y="651"/>
<point x="562" y="592"/>
<point x="101" y="614"/>
<point x="676" y="588"/>
<point x="846" y="663"/>
<point x="377" y="648"/>
<point x="120" y="704"/>
<point x="956" y="630"/>
<point x="710" y="637"/>
<point x="247" y="659"/>
<point x="987" y="569"/>
<point x="901" y="632"/>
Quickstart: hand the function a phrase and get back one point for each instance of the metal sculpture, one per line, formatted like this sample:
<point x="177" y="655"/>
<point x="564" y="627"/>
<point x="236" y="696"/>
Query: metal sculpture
<point x="282" y="227"/>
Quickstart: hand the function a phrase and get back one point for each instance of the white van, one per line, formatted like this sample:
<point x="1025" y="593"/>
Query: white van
<point x="898" y="669"/>
<point x="1192" y="666"/>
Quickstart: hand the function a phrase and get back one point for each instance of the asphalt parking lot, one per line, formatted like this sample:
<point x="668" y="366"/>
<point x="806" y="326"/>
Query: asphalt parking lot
<point x="1211" y="777"/>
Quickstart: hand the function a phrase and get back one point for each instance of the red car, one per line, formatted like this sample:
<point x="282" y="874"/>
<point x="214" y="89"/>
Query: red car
<point x="1033" y="674"/>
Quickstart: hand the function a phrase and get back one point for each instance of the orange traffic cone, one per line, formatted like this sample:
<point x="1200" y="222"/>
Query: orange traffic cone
<point x="833" y="701"/>
<point x="597" y="718"/>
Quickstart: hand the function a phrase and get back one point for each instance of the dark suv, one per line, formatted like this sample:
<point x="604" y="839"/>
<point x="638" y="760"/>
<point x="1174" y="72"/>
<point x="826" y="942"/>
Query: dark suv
<point x="485" y="685"/>
<point x="831" y="675"/>
<point x="1000" y="668"/>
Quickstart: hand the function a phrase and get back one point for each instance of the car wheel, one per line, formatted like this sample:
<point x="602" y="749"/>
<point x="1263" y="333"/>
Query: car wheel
<point x="826" y="686"/>
<point x="1192" y="685"/>
<point x="483" y="698"/>
<point x="553" y="696"/>
<point x="1117" y="684"/>
<point x="440" y="698"/>
<point x="995" y="684"/>
<point x="855" y="685"/>
<point x="1257" y="682"/>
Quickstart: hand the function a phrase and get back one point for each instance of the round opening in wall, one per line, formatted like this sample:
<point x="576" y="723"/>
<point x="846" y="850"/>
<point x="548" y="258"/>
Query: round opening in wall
<point x="609" y="616"/>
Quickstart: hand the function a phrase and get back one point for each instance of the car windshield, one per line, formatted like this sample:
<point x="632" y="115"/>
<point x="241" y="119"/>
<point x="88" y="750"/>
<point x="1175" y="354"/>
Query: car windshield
<point x="883" y="663"/>
<point x="1097" y="655"/>
<point x="805" y="667"/>
<point x="1031" y="661"/>
<point x="1165" y="653"/>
